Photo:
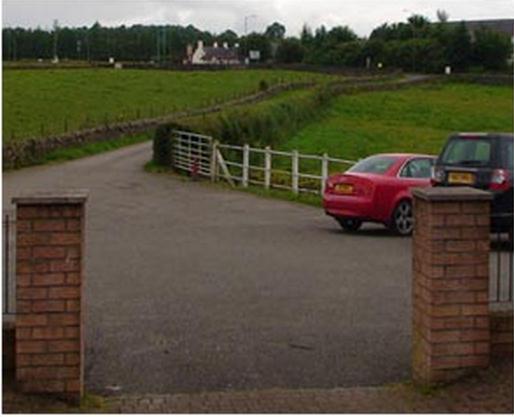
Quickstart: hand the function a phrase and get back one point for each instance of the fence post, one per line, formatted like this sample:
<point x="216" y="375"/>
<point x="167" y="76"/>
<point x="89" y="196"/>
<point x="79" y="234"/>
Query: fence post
<point x="214" y="160"/>
<point x="267" y="167"/>
<point x="324" y="172"/>
<point x="294" y="171"/>
<point x="246" y="164"/>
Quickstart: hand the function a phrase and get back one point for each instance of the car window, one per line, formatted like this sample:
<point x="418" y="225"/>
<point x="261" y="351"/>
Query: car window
<point x="374" y="165"/>
<point x="507" y="151"/>
<point x="417" y="168"/>
<point x="470" y="152"/>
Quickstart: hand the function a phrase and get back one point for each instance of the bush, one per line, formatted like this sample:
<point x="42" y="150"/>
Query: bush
<point x="263" y="85"/>
<point x="162" y="146"/>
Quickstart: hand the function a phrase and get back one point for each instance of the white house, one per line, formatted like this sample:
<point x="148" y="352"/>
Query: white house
<point x="214" y="55"/>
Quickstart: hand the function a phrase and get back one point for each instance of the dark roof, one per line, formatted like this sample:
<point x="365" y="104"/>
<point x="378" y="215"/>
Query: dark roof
<point x="498" y="25"/>
<point x="220" y="53"/>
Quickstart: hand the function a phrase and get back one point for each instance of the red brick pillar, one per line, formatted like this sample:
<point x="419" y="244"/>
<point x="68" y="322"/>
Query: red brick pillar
<point x="451" y="331"/>
<point x="49" y="293"/>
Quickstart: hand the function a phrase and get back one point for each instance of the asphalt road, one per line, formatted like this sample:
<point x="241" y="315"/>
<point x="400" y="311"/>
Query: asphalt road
<point x="191" y="287"/>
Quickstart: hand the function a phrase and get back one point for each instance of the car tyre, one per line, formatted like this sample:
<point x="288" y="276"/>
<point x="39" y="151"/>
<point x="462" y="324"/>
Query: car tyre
<point x="349" y="225"/>
<point x="402" y="220"/>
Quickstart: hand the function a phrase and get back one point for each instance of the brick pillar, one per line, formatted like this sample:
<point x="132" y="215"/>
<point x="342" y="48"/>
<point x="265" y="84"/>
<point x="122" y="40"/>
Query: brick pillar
<point x="450" y="334"/>
<point x="49" y="293"/>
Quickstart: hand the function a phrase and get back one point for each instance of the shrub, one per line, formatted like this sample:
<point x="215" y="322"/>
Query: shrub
<point x="162" y="145"/>
<point x="263" y="85"/>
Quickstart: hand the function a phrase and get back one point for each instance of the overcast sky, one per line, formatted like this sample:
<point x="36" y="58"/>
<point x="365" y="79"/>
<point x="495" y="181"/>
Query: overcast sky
<point x="217" y="15"/>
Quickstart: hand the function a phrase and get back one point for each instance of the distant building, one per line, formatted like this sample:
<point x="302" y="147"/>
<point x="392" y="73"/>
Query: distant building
<point x="505" y="26"/>
<point x="213" y="55"/>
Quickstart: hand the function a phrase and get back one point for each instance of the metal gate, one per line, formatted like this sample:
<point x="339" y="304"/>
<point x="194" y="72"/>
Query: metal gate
<point x="192" y="153"/>
<point x="501" y="271"/>
<point x="8" y="263"/>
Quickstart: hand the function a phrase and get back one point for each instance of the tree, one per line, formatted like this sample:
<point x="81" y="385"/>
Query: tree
<point x="306" y="36"/>
<point x="228" y="36"/>
<point x="457" y="47"/>
<point x="491" y="49"/>
<point x="341" y="34"/>
<point x="442" y="16"/>
<point x="275" y="31"/>
<point x="290" y="51"/>
<point x="257" y="42"/>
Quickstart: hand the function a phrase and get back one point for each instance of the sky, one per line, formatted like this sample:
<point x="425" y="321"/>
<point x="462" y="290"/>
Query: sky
<point x="218" y="15"/>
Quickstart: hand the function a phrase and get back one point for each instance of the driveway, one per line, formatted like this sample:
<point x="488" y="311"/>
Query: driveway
<point x="192" y="287"/>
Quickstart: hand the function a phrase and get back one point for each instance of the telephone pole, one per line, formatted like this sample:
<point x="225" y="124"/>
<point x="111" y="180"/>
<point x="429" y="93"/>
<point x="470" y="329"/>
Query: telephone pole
<point x="56" y="28"/>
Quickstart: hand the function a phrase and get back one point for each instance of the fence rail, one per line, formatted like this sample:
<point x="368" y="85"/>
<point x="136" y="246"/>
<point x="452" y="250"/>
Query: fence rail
<point x="246" y="165"/>
<point x="8" y="264"/>
<point x="263" y="172"/>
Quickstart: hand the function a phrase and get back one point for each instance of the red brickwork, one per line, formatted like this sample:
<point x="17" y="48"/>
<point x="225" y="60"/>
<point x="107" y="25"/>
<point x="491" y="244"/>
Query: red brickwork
<point x="49" y="319"/>
<point x="501" y="333"/>
<point x="451" y="328"/>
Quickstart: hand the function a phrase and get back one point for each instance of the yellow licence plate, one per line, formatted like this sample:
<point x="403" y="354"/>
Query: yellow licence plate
<point x="344" y="188"/>
<point x="461" y="178"/>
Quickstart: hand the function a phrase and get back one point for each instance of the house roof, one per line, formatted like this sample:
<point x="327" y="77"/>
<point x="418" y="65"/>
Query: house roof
<point x="220" y="53"/>
<point x="498" y="25"/>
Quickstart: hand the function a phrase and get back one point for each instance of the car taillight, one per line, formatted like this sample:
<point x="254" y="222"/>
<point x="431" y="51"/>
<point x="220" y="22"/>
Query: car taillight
<point x="329" y="186"/>
<point x="437" y="175"/>
<point x="500" y="180"/>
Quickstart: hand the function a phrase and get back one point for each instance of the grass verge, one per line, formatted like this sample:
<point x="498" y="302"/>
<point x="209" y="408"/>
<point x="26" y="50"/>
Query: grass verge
<point x="68" y="154"/>
<point x="308" y="199"/>
<point x="417" y="119"/>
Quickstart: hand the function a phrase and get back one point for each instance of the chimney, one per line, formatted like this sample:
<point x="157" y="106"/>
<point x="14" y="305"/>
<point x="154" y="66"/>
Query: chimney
<point x="200" y="44"/>
<point x="215" y="44"/>
<point x="225" y="45"/>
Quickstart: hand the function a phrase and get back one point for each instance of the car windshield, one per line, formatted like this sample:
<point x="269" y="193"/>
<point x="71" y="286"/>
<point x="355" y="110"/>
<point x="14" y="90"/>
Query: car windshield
<point x="467" y="152"/>
<point x="373" y="165"/>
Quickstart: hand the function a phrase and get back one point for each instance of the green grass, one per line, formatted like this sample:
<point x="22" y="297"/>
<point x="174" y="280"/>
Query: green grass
<point x="413" y="120"/>
<point x="68" y="154"/>
<point x="308" y="199"/>
<point x="41" y="102"/>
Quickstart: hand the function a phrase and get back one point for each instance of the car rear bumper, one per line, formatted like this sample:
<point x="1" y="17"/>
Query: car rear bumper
<point x="348" y="206"/>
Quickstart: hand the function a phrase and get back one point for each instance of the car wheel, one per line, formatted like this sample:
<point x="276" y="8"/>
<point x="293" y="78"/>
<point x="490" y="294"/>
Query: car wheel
<point x="402" y="221"/>
<point x="350" y="225"/>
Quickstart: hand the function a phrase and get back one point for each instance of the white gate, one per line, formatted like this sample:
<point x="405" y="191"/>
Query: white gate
<point x="199" y="155"/>
<point x="192" y="153"/>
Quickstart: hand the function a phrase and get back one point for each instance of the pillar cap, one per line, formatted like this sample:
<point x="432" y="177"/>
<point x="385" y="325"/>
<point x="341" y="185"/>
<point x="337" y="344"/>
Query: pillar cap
<point x="50" y="197"/>
<point x="451" y="194"/>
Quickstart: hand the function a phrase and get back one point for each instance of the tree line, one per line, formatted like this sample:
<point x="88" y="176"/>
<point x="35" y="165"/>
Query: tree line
<point x="417" y="45"/>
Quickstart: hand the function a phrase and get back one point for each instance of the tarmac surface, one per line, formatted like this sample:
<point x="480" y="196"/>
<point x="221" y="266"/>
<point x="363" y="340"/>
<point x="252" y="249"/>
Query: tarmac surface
<point x="192" y="287"/>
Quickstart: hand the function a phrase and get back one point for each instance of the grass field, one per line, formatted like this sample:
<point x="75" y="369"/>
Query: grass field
<point x="413" y="120"/>
<point x="42" y="102"/>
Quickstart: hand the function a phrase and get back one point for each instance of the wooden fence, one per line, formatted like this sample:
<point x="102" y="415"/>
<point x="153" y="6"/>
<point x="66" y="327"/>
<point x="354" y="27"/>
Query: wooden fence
<point x="200" y="155"/>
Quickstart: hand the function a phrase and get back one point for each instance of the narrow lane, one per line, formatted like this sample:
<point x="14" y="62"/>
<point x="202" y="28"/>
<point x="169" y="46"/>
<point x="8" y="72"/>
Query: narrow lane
<point x="192" y="288"/>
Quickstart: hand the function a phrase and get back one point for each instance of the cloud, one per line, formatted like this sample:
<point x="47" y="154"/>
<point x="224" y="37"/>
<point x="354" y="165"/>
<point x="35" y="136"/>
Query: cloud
<point x="218" y="15"/>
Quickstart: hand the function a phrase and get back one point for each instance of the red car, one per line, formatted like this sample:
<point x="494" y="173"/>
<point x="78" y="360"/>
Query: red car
<point x="377" y="189"/>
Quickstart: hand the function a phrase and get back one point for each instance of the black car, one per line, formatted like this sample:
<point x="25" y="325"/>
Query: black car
<point x="484" y="161"/>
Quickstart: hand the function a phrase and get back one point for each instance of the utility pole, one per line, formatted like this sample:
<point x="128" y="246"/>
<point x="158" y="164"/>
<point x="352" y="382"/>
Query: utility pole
<point x="87" y="46"/>
<point x="158" y="47"/>
<point x="251" y="16"/>
<point x="413" y="54"/>
<point x="56" y="28"/>
<point x="163" y="36"/>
